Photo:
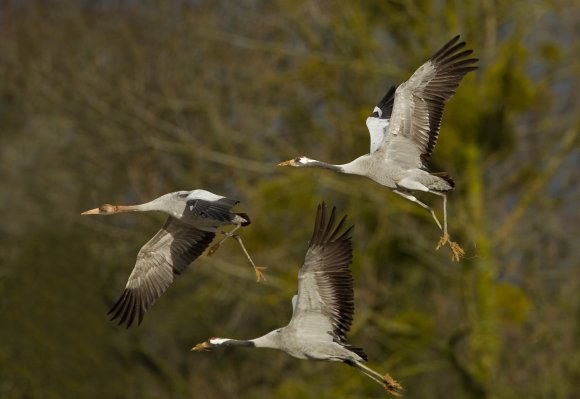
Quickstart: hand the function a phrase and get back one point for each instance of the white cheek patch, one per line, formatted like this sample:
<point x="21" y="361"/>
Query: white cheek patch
<point x="218" y="341"/>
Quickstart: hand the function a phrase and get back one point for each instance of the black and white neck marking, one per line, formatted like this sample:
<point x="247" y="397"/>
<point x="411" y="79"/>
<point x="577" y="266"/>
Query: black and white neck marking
<point x="230" y="342"/>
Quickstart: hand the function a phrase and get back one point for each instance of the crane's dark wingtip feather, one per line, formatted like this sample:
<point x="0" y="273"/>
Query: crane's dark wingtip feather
<point x="451" y="66"/>
<point x="327" y="231"/>
<point x="347" y="235"/>
<point x="318" y="223"/>
<point x="451" y="43"/>
<point x="128" y="308"/>
<point x="245" y="216"/>
<point x="117" y="304"/>
<point x="329" y="226"/>
<point x="338" y="228"/>
<point x="333" y="249"/>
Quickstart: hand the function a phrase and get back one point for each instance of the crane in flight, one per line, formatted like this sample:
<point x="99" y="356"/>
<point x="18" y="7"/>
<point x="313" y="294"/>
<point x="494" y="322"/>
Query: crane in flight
<point x="323" y="308"/>
<point x="194" y="219"/>
<point x="404" y="127"/>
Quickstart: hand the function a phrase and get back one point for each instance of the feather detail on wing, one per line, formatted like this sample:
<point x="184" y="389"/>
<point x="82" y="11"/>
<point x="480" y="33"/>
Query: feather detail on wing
<point x="215" y="210"/>
<point x="167" y="254"/>
<point x="325" y="304"/>
<point x="378" y="122"/>
<point x="419" y="103"/>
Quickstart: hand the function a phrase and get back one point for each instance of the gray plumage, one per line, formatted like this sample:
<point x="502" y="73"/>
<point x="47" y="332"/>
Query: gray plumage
<point x="194" y="219"/>
<point x="404" y="128"/>
<point x="324" y="306"/>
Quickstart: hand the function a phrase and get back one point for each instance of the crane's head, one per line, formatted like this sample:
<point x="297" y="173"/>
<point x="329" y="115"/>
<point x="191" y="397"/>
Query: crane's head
<point x="211" y="343"/>
<point x="297" y="162"/>
<point x="107" y="209"/>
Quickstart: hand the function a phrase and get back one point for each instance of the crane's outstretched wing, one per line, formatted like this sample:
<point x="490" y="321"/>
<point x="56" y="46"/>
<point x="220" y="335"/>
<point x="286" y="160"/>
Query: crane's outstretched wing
<point x="218" y="210"/>
<point x="166" y="255"/>
<point x="378" y="122"/>
<point x="419" y="102"/>
<point x="325" y="304"/>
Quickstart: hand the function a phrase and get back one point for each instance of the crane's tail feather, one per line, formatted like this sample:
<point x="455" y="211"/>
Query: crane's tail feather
<point x="448" y="179"/>
<point x="245" y="216"/>
<point x="358" y="351"/>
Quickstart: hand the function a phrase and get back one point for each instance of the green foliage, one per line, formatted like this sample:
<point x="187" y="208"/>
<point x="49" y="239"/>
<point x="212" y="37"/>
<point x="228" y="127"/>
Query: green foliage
<point x="103" y="102"/>
<point x="513" y="304"/>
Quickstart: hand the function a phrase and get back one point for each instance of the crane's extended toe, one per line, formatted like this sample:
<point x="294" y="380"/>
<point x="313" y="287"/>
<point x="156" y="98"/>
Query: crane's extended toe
<point x="392" y="386"/>
<point x="442" y="241"/>
<point x="457" y="251"/>
<point x="260" y="276"/>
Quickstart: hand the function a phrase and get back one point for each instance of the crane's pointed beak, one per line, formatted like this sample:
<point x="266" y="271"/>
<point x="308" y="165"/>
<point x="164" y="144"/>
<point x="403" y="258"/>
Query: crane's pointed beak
<point x="204" y="346"/>
<point x="95" y="211"/>
<point x="108" y="209"/>
<point x="290" y="162"/>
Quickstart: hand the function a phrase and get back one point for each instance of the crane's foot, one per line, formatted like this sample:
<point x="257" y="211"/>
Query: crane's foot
<point x="392" y="386"/>
<point x="442" y="241"/>
<point x="204" y="346"/>
<point x="259" y="273"/>
<point x="457" y="252"/>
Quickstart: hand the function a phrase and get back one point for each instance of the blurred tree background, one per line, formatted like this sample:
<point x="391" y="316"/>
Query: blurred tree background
<point x="122" y="101"/>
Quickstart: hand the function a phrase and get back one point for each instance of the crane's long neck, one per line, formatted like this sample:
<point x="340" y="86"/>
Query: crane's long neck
<point x="108" y="209"/>
<point x="355" y="167"/>
<point x="312" y="163"/>
<point x="154" y="205"/>
<point x="231" y="342"/>
<point x="269" y="340"/>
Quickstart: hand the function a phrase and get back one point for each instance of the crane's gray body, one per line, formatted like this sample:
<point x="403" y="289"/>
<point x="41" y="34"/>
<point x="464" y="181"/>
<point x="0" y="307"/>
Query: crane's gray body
<point x="194" y="218"/>
<point x="324" y="305"/>
<point x="200" y="209"/>
<point x="390" y="173"/>
<point x="405" y="124"/>
<point x="296" y="343"/>
<point x="323" y="308"/>
<point x="404" y="128"/>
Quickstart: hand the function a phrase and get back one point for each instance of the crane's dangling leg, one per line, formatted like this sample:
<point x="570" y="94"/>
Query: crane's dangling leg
<point x="457" y="251"/>
<point x="258" y="270"/>
<point x="415" y="200"/>
<point x="227" y="235"/>
<point x="388" y="382"/>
